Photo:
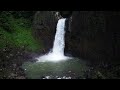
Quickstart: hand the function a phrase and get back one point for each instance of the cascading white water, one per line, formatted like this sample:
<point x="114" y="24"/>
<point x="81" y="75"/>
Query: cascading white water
<point x="58" y="47"/>
<point x="57" y="53"/>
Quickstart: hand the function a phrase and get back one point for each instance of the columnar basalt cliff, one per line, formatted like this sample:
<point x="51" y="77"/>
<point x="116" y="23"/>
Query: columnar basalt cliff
<point x="94" y="35"/>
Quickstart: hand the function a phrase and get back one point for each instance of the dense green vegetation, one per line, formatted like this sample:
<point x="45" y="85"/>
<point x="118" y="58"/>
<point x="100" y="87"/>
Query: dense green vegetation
<point x="16" y="30"/>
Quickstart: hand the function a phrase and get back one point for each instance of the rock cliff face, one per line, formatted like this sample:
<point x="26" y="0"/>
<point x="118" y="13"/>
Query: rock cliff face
<point x="44" y="28"/>
<point x="94" y="35"/>
<point x="65" y="14"/>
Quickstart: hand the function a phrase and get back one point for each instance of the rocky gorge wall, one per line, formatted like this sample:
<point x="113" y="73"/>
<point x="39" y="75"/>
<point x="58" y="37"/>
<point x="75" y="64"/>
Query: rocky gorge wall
<point x="94" y="35"/>
<point x="44" y="28"/>
<point x="90" y="35"/>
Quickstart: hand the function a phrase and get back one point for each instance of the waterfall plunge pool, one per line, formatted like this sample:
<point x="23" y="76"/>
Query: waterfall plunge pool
<point x="68" y="69"/>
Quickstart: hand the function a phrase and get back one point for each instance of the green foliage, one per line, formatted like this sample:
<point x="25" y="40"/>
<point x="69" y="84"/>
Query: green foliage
<point x="5" y="21"/>
<point x="23" y="37"/>
<point x="17" y="32"/>
<point x="5" y="38"/>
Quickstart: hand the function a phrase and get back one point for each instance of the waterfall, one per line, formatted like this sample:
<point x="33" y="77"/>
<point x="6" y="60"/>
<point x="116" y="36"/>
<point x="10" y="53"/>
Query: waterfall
<point x="59" y="43"/>
<point x="57" y="53"/>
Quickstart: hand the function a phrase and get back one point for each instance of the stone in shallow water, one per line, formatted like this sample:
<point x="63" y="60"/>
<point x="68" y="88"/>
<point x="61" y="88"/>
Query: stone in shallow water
<point x="47" y="77"/>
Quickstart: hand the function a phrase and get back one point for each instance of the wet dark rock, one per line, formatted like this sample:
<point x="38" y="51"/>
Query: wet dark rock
<point x="44" y="28"/>
<point x="10" y="63"/>
<point x="94" y="36"/>
<point x="65" y="14"/>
